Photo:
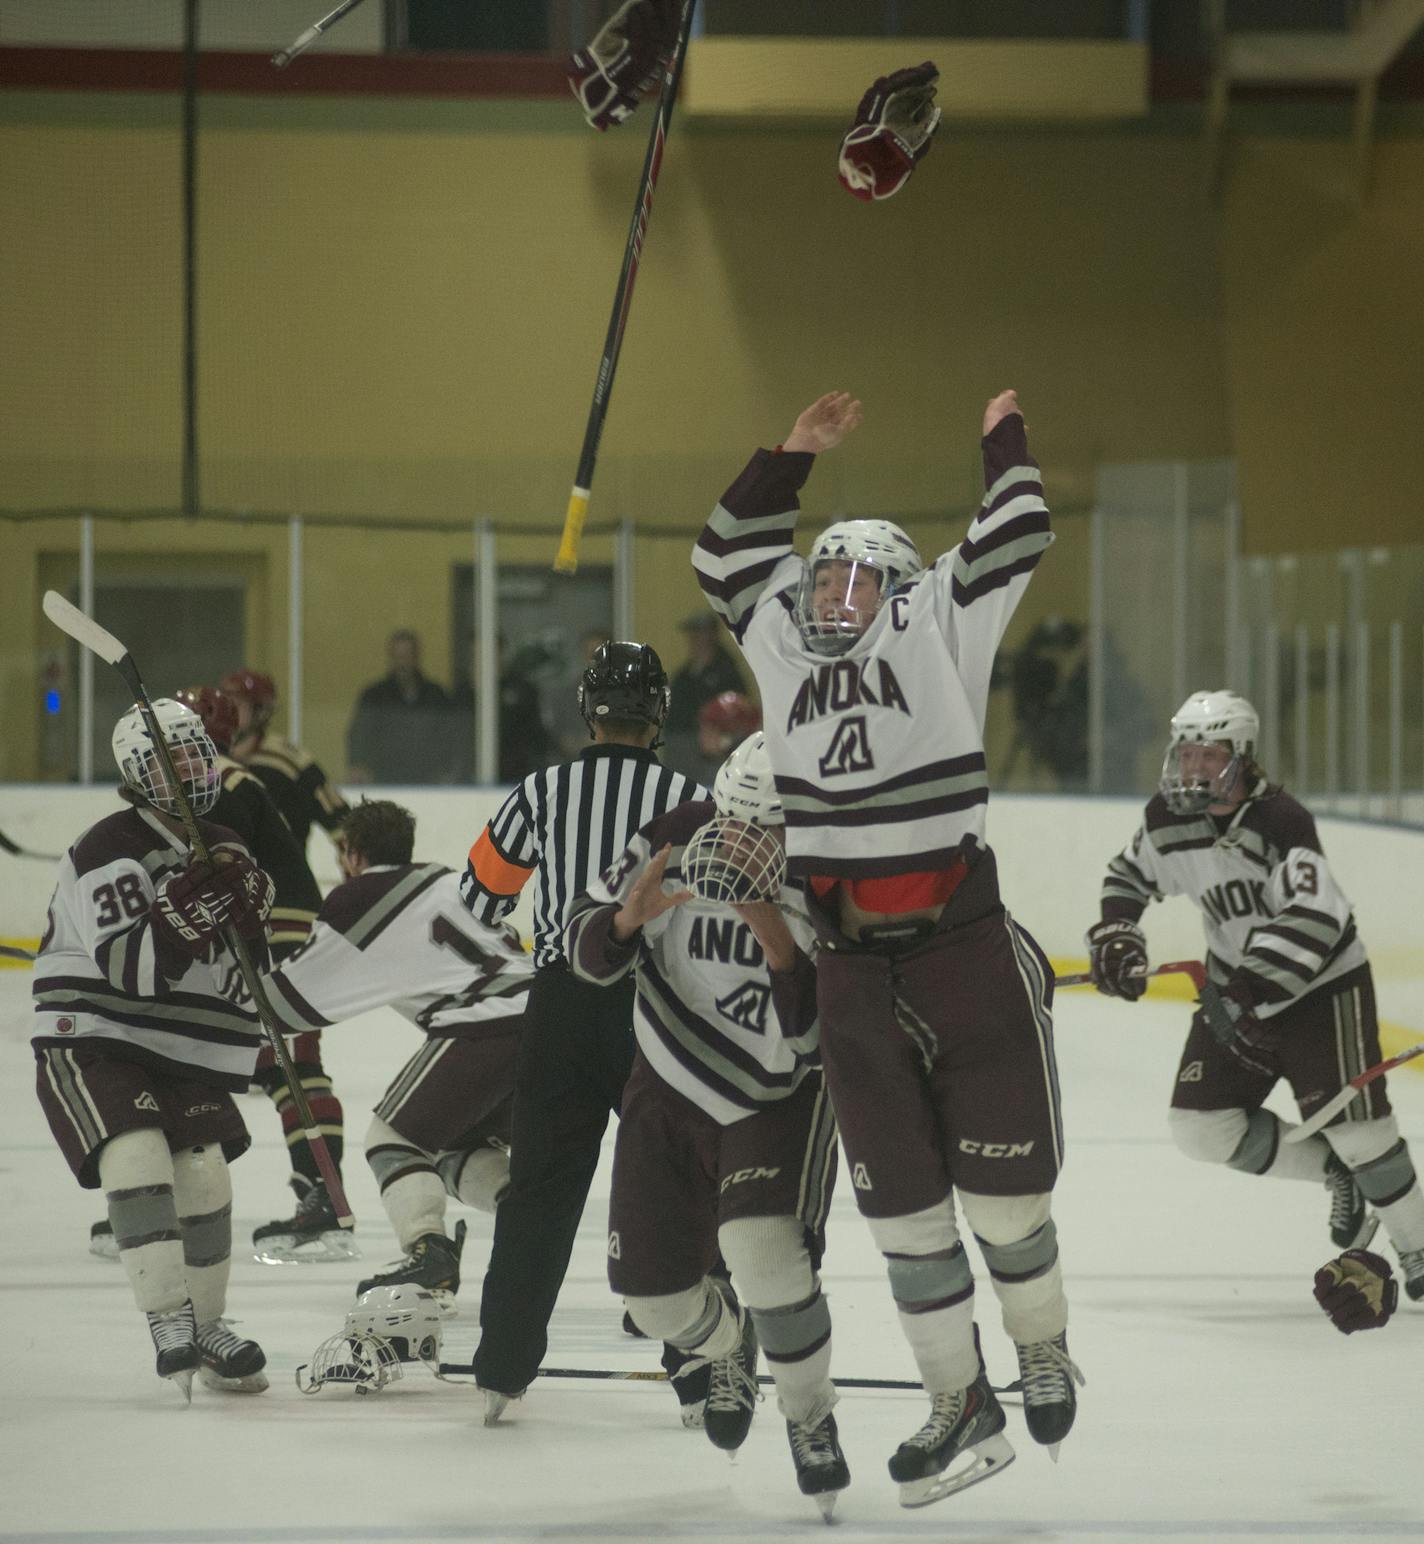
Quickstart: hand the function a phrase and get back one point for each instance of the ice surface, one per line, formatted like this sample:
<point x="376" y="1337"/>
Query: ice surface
<point x="1219" y="1405"/>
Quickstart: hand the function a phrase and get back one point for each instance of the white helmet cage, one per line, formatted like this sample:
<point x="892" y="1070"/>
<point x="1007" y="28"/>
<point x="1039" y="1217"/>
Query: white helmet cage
<point x="733" y="861"/>
<point x="878" y="545"/>
<point x="367" y="1362"/>
<point x="189" y="744"/>
<point x="1208" y="718"/>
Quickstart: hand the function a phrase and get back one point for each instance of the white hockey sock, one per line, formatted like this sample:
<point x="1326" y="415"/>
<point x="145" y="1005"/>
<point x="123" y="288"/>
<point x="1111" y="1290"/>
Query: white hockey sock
<point x="415" y="1203"/>
<point x="202" y="1188"/>
<point x="1378" y="1157"/>
<point x="478" y="1178"/>
<point x="136" y="1172"/>
<point x="1020" y="1246"/>
<point x="697" y="1321"/>
<point x="1249" y="1142"/>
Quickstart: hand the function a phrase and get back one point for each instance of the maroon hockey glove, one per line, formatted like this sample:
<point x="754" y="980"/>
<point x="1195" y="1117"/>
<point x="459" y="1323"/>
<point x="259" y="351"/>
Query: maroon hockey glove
<point x="611" y="76"/>
<point x="197" y="903"/>
<point x="1117" y="959"/>
<point x="1228" y="1013"/>
<point x="1357" y="1290"/>
<point x="893" y="127"/>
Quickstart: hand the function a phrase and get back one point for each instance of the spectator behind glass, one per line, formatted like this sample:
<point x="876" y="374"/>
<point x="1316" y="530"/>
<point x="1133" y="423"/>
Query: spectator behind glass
<point x="708" y="671"/>
<point x="401" y="731"/>
<point x="525" y="743"/>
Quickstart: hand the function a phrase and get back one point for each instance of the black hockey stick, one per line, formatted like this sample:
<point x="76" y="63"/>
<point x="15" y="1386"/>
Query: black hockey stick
<point x="13" y="952"/>
<point x="1193" y="968"/>
<point x="567" y="560"/>
<point x="16" y="851"/>
<point x="284" y="56"/>
<point x="70" y="619"/>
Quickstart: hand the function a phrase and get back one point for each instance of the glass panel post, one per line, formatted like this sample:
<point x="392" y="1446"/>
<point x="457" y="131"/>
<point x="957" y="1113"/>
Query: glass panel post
<point x="487" y="632"/>
<point x="294" y="631"/>
<point x="1302" y="709"/>
<point x="86" y="659"/>
<point x="1097" y="624"/>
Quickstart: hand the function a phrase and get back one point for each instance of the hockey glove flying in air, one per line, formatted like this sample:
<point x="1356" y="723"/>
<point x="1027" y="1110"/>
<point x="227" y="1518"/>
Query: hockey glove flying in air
<point x="1228" y="1013"/>
<point x="1117" y="958"/>
<point x="611" y="76"/>
<point x="893" y="127"/>
<point x="196" y="904"/>
<point x="1357" y="1290"/>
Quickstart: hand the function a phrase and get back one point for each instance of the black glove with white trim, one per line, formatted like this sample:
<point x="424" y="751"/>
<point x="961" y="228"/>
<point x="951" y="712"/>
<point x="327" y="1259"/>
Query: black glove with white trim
<point x="1117" y="958"/>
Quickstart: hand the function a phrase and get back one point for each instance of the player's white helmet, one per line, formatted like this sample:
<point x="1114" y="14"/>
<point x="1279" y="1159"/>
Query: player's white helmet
<point x="388" y="1326"/>
<point x="189" y="744"/>
<point x="1208" y="718"/>
<point x="745" y="787"/>
<point x="831" y="623"/>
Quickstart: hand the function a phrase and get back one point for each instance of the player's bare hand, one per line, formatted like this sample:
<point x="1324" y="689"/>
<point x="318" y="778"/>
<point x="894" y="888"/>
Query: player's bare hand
<point x="647" y="899"/>
<point x="999" y="409"/>
<point x="825" y="423"/>
<point x="766" y="920"/>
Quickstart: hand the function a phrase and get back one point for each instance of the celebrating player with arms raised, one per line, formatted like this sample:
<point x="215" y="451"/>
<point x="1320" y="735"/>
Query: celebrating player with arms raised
<point x="935" y="1030"/>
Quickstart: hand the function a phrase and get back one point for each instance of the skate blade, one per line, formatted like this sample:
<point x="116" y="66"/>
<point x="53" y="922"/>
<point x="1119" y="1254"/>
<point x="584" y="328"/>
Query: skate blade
<point x="183" y="1382"/>
<point x="826" y="1504"/>
<point x="327" y="1249"/>
<point x="495" y="1406"/>
<point x="991" y="1456"/>
<point x="252" y="1383"/>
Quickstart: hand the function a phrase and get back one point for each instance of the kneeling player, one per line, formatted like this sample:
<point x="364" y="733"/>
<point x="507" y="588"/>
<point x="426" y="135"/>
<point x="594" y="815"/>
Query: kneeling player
<point x="726" y="1129"/>
<point x="1289" y="993"/>
<point x="397" y="933"/>
<point x="143" y="1032"/>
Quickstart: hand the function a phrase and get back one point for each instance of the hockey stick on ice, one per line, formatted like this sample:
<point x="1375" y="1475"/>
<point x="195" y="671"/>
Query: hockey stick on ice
<point x="567" y="560"/>
<point x="284" y="56"/>
<point x="1193" y="968"/>
<point x="1012" y="1390"/>
<point x="1332" y="1107"/>
<point x="16" y="851"/>
<point x="70" y="619"/>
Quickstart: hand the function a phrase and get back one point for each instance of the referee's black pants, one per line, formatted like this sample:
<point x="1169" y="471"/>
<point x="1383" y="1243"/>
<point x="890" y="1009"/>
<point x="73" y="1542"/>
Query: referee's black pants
<point x="575" y="1054"/>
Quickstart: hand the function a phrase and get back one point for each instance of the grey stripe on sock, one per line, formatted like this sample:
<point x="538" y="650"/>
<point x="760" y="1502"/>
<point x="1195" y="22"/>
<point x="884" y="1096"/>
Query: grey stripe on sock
<point x="144" y="1215"/>
<point x="1386" y="1178"/>
<point x="1025" y="1258"/>
<point x="788" y="1334"/>
<point x="390" y="1163"/>
<point x="207" y="1238"/>
<point x="916" y="1279"/>
<point x="1256" y="1151"/>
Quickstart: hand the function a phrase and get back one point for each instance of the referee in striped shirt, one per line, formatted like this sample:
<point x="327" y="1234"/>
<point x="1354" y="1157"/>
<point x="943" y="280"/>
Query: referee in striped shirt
<point x="564" y="826"/>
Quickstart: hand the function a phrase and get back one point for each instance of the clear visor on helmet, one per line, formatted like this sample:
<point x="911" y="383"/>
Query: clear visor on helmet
<point x="194" y="760"/>
<point x="838" y="599"/>
<point x="1197" y="774"/>
<point x="733" y="861"/>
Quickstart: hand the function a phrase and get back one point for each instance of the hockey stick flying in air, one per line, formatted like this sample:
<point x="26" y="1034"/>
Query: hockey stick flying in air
<point x="70" y="619"/>
<point x="567" y="560"/>
<point x="283" y="57"/>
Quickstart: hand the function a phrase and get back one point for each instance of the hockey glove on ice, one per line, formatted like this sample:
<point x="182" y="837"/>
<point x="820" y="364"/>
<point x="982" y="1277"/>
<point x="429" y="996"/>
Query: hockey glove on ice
<point x="891" y="134"/>
<point x="1357" y="1290"/>
<point x="1229" y="1015"/>
<point x="1117" y="958"/>
<point x="196" y="904"/>
<point x="611" y="75"/>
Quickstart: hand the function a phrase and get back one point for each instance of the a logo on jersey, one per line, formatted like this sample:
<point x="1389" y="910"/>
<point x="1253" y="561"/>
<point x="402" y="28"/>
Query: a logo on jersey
<point x="725" y="941"/>
<point x="64" y="1026"/>
<point x="860" y="1179"/>
<point x="1191" y="1073"/>
<point x="1236" y="898"/>
<point x="203" y="1109"/>
<point x="746" y="1007"/>
<point x="146" y="1101"/>
<point x="995" y="1149"/>
<point x="615" y="1247"/>
<point x="845" y="683"/>
<point x="742" y="1175"/>
<point x="849" y="750"/>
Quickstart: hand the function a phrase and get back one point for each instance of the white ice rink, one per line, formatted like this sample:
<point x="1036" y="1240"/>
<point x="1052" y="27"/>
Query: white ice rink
<point x="1220" y="1404"/>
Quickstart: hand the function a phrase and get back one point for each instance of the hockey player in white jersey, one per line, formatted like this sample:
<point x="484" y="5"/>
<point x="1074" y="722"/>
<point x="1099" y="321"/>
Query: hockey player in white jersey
<point x="142" y="1032"/>
<point x="726" y="1137"/>
<point x="397" y="933"/>
<point x="1289" y="992"/>
<point x="936" y="1033"/>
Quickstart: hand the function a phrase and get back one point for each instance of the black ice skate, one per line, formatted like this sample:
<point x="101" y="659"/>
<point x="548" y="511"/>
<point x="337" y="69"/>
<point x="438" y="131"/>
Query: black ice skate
<point x="311" y="1236"/>
<point x="967" y="1424"/>
<point x="1048" y="1374"/>
<point x="1411" y="1262"/>
<point x="229" y="1363"/>
<point x="732" y="1390"/>
<point x="433" y="1263"/>
<point x="821" y="1469"/>
<point x="175" y="1339"/>
<point x="691" y="1379"/>
<point x="102" y="1242"/>
<point x="1351" y="1225"/>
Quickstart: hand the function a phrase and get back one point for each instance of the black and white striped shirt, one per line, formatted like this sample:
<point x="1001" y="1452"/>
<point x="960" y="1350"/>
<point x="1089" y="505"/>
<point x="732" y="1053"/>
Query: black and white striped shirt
<point x="565" y="825"/>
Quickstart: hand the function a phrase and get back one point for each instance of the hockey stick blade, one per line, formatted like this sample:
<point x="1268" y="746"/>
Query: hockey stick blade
<point x="1193" y="968"/>
<point x="16" y="851"/>
<point x="83" y="629"/>
<point x="1351" y="1091"/>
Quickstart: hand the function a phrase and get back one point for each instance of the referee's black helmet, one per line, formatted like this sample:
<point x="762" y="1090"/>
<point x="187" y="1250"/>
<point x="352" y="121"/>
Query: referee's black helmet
<point x="624" y="683"/>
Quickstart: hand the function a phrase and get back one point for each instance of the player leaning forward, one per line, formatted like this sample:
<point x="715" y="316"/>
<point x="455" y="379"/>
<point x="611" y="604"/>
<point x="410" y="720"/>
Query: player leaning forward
<point x="934" y="1005"/>
<point x="726" y="1138"/>
<point x="143" y="1031"/>
<point x="1289" y="992"/>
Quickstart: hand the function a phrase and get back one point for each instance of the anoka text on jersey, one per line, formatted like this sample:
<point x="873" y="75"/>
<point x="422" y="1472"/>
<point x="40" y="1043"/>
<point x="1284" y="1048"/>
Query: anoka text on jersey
<point x="1236" y="898"/>
<point x="845" y="683"/>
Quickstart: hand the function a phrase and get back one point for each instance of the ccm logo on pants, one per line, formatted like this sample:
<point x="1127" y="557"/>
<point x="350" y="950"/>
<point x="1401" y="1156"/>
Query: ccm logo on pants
<point x="995" y="1149"/>
<point x="745" y="1174"/>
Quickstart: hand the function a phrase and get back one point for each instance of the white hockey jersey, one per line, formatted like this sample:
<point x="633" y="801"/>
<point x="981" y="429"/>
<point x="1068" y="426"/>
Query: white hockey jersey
<point x="108" y="976"/>
<point x="1274" y="916"/>
<point x="710" y="1018"/>
<point x="879" y="755"/>
<point x="399" y="935"/>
